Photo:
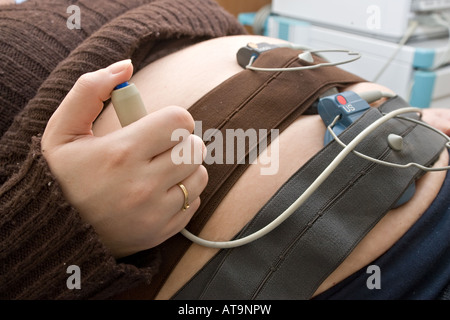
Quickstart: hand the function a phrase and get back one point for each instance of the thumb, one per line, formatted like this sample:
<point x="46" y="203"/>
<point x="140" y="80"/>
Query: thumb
<point x="84" y="102"/>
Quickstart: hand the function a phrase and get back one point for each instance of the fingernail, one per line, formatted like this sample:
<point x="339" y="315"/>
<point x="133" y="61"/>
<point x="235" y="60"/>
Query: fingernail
<point x="120" y="66"/>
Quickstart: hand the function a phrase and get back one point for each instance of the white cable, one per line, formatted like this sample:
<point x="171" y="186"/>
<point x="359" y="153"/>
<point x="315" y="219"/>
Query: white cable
<point x="260" y="19"/>
<point x="374" y="95"/>
<point x="391" y="164"/>
<point x="314" y="66"/>
<point x="308" y="192"/>
<point x="409" y="32"/>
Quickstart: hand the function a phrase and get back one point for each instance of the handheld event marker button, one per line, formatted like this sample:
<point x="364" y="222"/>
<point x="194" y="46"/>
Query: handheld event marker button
<point x="128" y="103"/>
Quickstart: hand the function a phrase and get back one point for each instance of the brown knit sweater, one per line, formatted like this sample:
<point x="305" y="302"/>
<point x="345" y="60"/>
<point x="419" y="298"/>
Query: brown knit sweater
<point x="40" y="60"/>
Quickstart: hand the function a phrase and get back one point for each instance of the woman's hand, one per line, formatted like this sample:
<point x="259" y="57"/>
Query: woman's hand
<point x="125" y="183"/>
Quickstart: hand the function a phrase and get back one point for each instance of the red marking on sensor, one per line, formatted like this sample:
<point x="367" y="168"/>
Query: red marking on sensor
<point x="341" y="100"/>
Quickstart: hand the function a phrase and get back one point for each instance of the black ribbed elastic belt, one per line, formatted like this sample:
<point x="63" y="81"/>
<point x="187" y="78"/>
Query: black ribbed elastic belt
<point x="295" y="258"/>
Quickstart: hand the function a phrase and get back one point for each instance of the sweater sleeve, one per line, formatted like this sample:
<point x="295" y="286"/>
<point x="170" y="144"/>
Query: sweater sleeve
<point x="34" y="38"/>
<point x="42" y="236"/>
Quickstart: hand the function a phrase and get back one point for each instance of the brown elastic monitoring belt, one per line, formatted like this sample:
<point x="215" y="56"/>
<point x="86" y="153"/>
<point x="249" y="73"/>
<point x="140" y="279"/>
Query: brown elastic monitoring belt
<point x="248" y="100"/>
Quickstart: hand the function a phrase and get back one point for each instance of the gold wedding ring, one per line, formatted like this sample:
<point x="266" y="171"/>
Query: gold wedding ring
<point x="186" y="197"/>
